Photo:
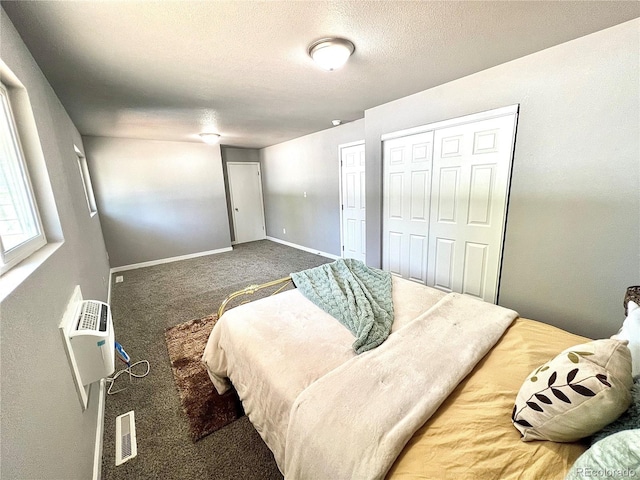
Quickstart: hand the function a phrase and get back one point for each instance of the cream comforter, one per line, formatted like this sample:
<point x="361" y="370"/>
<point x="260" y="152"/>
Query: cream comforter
<point x="326" y="413"/>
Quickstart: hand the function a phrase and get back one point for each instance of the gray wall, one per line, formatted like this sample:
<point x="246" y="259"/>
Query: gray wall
<point x="572" y="241"/>
<point x="232" y="154"/>
<point x="307" y="164"/>
<point x="43" y="432"/>
<point x="158" y="199"/>
<point x="573" y="231"/>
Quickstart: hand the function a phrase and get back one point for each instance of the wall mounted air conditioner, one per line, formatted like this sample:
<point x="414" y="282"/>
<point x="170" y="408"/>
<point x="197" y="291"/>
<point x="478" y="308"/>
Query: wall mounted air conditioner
<point x="93" y="342"/>
<point x="89" y="340"/>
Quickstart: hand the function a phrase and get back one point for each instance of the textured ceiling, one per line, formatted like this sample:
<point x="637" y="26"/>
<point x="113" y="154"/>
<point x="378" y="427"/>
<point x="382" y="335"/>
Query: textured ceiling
<point x="170" y="69"/>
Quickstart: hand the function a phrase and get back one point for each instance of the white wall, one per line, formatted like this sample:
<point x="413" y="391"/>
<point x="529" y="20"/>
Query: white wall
<point x="573" y="228"/>
<point x="306" y="164"/>
<point x="43" y="432"/>
<point x="158" y="199"/>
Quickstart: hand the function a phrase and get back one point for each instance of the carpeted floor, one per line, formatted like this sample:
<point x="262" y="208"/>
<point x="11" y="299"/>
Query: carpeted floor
<point x="147" y="302"/>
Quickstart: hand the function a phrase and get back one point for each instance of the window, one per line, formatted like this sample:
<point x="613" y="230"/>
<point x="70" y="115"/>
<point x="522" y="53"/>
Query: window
<point x="86" y="182"/>
<point x="21" y="231"/>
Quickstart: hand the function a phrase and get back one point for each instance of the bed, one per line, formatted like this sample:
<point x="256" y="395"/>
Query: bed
<point x="286" y="358"/>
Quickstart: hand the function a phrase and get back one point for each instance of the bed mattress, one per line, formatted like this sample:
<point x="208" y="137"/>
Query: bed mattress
<point x="470" y="435"/>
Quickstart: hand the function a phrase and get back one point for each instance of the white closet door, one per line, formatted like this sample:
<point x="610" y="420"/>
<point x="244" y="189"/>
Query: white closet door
<point x="245" y="189"/>
<point x="406" y="200"/>
<point x="471" y="172"/>
<point x="353" y="202"/>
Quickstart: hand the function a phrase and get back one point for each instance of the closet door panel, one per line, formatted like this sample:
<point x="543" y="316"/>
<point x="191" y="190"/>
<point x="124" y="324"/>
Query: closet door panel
<point x="420" y="195"/>
<point x="447" y="197"/>
<point x="394" y="253"/>
<point x="480" y="194"/>
<point x="396" y="195"/>
<point x="472" y="163"/>
<point x="418" y="258"/>
<point x="406" y="205"/>
<point x="474" y="274"/>
<point x="443" y="263"/>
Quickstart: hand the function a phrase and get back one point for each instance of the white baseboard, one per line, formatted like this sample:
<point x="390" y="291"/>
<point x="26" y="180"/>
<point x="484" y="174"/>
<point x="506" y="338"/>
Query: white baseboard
<point x="168" y="260"/>
<point x="300" y="247"/>
<point x="109" y="289"/>
<point x="97" y="455"/>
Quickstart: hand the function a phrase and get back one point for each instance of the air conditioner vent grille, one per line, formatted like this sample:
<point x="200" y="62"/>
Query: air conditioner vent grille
<point x="93" y="316"/>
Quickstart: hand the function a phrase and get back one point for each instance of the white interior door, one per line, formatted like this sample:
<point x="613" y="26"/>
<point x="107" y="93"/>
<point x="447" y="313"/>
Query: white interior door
<point x="352" y="166"/>
<point x="245" y="190"/>
<point x="406" y="201"/>
<point x="471" y="172"/>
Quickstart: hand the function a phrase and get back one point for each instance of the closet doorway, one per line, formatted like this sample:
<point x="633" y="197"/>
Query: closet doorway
<point x="445" y="194"/>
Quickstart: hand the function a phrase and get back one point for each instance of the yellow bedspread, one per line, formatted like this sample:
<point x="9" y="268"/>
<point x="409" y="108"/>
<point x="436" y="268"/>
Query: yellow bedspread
<point x="471" y="435"/>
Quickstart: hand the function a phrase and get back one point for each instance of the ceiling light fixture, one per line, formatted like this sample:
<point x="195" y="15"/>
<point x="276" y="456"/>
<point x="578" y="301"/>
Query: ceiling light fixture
<point x="331" y="53"/>
<point x="210" y="138"/>
<point x="336" y="122"/>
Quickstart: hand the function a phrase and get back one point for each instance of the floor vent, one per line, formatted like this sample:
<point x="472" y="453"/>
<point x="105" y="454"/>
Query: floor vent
<point x="126" y="446"/>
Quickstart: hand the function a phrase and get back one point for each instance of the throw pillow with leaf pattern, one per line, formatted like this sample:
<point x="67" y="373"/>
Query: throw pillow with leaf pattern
<point x="575" y="394"/>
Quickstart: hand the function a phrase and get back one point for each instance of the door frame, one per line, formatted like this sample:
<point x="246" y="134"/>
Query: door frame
<point x="233" y="211"/>
<point x="341" y="147"/>
<point x="473" y="117"/>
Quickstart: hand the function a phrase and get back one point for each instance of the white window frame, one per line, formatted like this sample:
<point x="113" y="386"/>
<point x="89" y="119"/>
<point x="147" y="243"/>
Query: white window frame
<point x="86" y="182"/>
<point x="13" y="256"/>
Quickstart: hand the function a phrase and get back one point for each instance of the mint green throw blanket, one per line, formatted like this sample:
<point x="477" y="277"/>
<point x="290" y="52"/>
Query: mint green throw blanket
<point x="359" y="297"/>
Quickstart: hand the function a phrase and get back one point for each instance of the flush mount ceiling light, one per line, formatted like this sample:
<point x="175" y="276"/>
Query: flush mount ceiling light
<point x="331" y="53"/>
<point x="210" y="138"/>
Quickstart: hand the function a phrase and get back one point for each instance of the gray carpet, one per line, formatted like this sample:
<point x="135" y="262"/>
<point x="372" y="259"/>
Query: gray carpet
<point x="147" y="302"/>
